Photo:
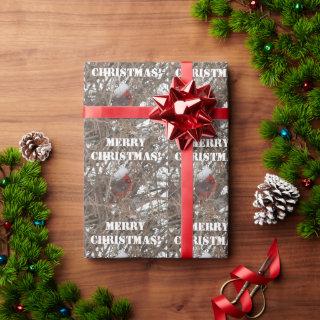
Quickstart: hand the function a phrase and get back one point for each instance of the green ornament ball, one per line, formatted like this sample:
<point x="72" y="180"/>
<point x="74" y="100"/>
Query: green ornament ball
<point x="32" y="268"/>
<point x="268" y="47"/>
<point x="3" y="259"/>
<point x="39" y="223"/>
<point x="64" y="311"/>
<point x="4" y="182"/>
<point x="285" y="134"/>
<point x="298" y="7"/>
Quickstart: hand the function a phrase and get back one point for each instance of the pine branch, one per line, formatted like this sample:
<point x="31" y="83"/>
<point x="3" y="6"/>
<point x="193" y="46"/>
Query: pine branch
<point x="27" y="286"/>
<point x="284" y="41"/>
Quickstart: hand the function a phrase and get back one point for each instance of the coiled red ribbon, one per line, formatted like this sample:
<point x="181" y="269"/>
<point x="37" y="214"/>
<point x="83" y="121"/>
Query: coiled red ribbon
<point x="222" y="307"/>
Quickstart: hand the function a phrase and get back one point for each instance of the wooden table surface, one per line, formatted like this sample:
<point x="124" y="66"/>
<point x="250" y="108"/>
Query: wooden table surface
<point x="43" y="47"/>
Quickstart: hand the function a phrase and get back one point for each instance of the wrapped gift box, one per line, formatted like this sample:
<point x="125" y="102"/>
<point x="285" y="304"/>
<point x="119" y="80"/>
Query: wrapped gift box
<point x="132" y="173"/>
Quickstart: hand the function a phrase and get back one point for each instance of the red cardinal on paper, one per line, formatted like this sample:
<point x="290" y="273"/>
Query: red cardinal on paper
<point x="121" y="184"/>
<point x="186" y="111"/>
<point x="205" y="183"/>
<point x="122" y="95"/>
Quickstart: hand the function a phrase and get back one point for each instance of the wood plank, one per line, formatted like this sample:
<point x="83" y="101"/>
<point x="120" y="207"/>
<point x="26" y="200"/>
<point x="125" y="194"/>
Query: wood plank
<point x="43" y="47"/>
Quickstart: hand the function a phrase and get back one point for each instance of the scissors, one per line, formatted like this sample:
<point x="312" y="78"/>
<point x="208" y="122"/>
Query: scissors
<point x="262" y="270"/>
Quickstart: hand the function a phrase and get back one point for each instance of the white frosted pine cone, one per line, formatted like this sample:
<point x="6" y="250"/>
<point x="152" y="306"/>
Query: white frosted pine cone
<point x="35" y="146"/>
<point x="274" y="199"/>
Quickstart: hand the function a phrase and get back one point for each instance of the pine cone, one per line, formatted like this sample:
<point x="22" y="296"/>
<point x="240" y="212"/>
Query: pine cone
<point x="274" y="199"/>
<point x="35" y="146"/>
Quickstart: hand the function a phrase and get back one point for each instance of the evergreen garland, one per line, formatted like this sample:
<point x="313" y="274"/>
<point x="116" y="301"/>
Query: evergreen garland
<point x="27" y="261"/>
<point x="283" y="37"/>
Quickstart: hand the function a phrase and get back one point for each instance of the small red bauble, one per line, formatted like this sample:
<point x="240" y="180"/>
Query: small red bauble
<point x="307" y="183"/>
<point x="307" y="85"/>
<point x="7" y="225"/>
<point x="254" y="4"/>
<point x="20" y="308"/>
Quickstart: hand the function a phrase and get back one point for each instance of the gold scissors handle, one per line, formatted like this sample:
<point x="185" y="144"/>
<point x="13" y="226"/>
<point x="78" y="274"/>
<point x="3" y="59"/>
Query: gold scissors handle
<point x="252" y="293"/>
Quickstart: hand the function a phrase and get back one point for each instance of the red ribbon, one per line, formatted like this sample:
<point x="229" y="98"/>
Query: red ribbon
<point x="187" y="203"/>
<point x="222" y="307"/>
<point x="117" y="112"/>
<point x="130" y="112"/>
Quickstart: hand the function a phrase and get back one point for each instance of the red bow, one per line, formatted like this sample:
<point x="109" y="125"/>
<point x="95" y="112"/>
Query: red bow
<point x="187" y="112"/>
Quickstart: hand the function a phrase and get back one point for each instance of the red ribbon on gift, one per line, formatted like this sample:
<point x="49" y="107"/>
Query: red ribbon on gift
<point x="188" y="113"/>
<point x="222" y="307"/>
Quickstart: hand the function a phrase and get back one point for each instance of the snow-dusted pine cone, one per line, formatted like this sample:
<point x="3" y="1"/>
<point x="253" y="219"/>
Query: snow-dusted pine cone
<point x="274" y="199"/>
<point x="35" y="146"/>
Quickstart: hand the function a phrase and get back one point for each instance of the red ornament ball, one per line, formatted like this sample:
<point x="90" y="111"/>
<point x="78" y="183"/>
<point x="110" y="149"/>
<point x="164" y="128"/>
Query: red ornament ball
<point x="20" y="308"/>
<point x="254" y="4"/>
<point x="307" y="85"/>
<point x="307" y="183"/>
<point x="7" y="225"/>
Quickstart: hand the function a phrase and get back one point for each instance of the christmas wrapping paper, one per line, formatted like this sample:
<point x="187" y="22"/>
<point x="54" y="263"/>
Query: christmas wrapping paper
<point x="132" y="196"/>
